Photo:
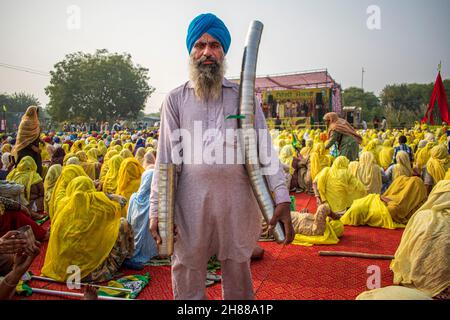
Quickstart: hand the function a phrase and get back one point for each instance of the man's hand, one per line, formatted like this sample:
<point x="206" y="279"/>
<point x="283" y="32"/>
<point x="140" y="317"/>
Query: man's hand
<point x="12" y="243"/>
<point x="282" y="214"/>
<point x="155" y="234"/>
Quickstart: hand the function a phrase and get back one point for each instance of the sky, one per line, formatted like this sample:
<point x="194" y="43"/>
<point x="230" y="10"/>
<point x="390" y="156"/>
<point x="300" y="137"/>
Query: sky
<point x="400" y="41"/>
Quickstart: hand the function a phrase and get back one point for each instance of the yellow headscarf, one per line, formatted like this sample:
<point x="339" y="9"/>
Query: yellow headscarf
<point x="29" y="130"/>
<point x="338" y="187"/>
<point x="6" y="148"/>
<point x="112" y="176"/>
<point x="92" y="155"/>
<point x="319" y="159"/>
<point x="286" y="157"/>
<point x="68" y="173"/>
<point x="423" y="155"/>
<point x="403" y="166"/>
<point x="77" y="146"/>
<point x="140" y="155"/>
<point x="66" y="148"/>
<point x="129" y="181"/>
<point x="101" y="148"/>
<point x="49" y="183"/>
<point x="88" y="167"/>
<point x="125" y="153"/>
<point x="305" y="152"/>
<point x="439" y="163"/>
<point x="84" y="231"/>
<point x="368" y="172"/>
<point x="25" y="174"/>
<point x="128" y="146"/>
<point x="105" y="165"/>
<point x="386" y="154"/>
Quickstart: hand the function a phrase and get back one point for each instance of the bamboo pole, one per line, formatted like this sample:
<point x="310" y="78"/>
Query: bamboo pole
<point x="71" y="294"/>
<point x="356" y="255"/>
<point x="83" y="284"/>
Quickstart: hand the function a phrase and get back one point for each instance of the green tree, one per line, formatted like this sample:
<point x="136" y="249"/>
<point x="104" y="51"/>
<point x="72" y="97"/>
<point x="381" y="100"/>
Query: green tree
<point x="100" y="86"/>
<point x="368" y="101"/>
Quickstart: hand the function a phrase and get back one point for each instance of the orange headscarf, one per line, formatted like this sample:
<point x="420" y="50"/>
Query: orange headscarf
<point x="342" y="126"/>
<point x="29" y="130"/>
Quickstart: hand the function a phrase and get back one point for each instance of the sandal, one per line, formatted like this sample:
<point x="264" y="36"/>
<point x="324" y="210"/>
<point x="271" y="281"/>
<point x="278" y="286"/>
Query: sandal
<point x="213" y="277"/>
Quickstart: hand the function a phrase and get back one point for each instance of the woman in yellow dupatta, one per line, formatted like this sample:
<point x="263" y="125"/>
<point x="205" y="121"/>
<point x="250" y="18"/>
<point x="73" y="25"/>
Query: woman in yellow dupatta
<point x="386" y="154"/>
<point x="129" y="146"/>
<point x="140" y="155"/>
<point x="102" y="150"/>
<point x="422" y="260"/>
<point x="337" y="186"/>
<point x="130" y="173"/>
<point x="319" y="159"/>
<point x="26" y="174"/>
<point x="88" y="167"/>
<point x="422" y="154"/>
<point x="105" y="166"/>
<point x="368" y="172"/>
<point x="437" y="166"/>
<point x="373" y="147"/>
<point x="306" y="151"/>
<point x="112" y="176"/>
<point x="391" y="210"/>
<point x="84" y="233"/>
<point x="49" y="183"/>
<point x="402" y="168"/>
<point x="68" y="173"/>
<point x="125" y="153"/>
<point x="77" y="146"/>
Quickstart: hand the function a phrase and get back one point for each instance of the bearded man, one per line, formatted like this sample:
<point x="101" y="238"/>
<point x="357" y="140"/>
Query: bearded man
<point x="216" y="212"/>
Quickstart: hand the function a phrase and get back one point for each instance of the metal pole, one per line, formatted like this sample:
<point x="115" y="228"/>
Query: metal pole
<point x="362" y="79"/>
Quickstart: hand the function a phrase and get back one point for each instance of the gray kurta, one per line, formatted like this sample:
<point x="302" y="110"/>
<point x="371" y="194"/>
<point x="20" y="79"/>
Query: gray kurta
<point x="215" y="209"/>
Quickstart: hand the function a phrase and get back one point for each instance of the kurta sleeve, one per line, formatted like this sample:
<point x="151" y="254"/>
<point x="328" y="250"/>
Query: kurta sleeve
<point x="169" y="123"/>
<point x="275" y="177"/>
<point x="333" y="140"/>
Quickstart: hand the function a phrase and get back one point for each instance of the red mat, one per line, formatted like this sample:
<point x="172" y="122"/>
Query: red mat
<point x="286" y="272"/>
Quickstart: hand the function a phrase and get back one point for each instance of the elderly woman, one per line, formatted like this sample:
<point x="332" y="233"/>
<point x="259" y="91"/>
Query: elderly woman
<point x="391" y="210"/>
<point x="26" y="174"/>
<point x="401" y="168"/>
<point x="49" y="183"/>
<point x="368" y="172"/>
<point x="422" y="259"/>
<point x="436" y="167"/>
<point x="337" y="187"/>
<point x="88" y="221"/>
<point x="28" y="138"/>
<point x="342" y="133"/>
<point x="129" y="179"/>
<point x="138" y="218"/>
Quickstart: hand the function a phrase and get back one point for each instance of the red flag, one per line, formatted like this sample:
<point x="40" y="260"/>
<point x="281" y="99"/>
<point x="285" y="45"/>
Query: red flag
<point x="439" y="94"/>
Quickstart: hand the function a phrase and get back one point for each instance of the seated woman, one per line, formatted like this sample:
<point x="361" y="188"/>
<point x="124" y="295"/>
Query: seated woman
<point x="436" y="167"/>
<point x="68" y="173"/>
<point x="391" y="210"/>
<point x="105" y="165"/>
<point x="112" y="176"/>
<point x="295" y="169"/>
<point x="138" y="217"/>
<point x="386" y="154"/>
<point x="368" y="172"/>
<point x="316" y="228"/>
<point x="129" y="179"/>
<point x="88" y="221"/>
<point x="337" y="187"/>
<point x="422" y="258"/>
<point x="140" y="155"/>
<point x="402" y="168"/>
<point x="13" y="215"/>
<point x="49" y="183"/>
<point x="58" y="156"/>
<point x="87" y="166"/>
<point x="92" y="155"/>
<point x="319" y="160"/>
<point x="7" y="165"/>
<point x="26" y="174"/>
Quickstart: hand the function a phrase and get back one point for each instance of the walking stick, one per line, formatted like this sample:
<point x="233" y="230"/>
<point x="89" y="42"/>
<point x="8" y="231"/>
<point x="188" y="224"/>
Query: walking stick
<point x="356" y="255"/>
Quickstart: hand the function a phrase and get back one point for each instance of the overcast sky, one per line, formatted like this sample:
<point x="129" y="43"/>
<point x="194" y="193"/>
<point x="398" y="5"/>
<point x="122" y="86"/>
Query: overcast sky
<point x="298" y="35"/>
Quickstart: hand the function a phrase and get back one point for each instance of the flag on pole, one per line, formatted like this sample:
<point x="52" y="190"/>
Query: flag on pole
<point x="441" y="97"/>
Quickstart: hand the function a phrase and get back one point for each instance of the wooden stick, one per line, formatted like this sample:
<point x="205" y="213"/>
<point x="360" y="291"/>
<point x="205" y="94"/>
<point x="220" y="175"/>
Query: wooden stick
<point x="356" y="255"/>
<point x="83" y="284"/>
<point x="71" y="294"/>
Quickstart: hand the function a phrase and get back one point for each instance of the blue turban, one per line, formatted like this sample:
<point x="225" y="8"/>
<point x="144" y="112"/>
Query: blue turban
<point x="208" y="23"/>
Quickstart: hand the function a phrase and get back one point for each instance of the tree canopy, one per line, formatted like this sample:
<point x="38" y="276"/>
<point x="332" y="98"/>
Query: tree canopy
<point x="97" y="87"/>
